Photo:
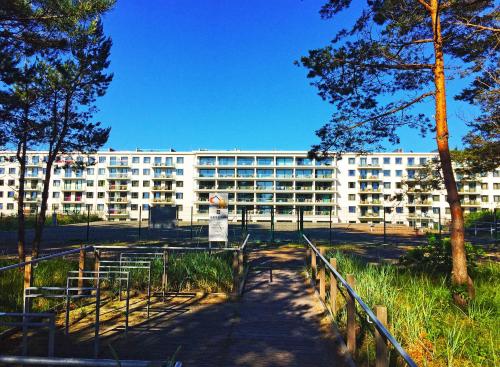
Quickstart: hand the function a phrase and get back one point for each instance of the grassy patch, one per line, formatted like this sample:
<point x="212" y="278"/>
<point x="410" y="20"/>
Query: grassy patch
<point x="421" y="315"/>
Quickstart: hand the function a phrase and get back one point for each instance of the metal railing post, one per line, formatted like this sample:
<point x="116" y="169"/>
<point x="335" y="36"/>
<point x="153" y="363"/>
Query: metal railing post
<point x="81" y="268"/>
<point x="351" y="317"/>
<point x="164" y="279"/>
<point x="333" y="287"/>
<point x="381" y="343"/>
<point x="313" y="266"/>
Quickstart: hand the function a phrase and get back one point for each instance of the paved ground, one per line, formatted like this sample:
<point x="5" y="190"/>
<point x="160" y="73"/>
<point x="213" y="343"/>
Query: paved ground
<point x="273" y="324"/>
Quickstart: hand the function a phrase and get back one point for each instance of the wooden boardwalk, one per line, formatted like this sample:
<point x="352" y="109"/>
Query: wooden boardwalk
<point x="273" y="324"/>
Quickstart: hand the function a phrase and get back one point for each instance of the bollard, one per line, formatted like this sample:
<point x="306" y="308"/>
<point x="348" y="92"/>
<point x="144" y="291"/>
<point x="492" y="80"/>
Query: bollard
<point x="333" y="287"/>
<point x="81" y="268"/>
<point x="351" y="317"/>
<point x="322" y="279"/>
<point x="380" y="342"/>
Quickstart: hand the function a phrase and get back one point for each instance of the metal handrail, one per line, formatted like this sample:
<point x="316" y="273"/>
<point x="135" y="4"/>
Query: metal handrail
<point x="242" y="247"/>
<point x="380" y="327"/>
<point x="55" y="361"/>
<point x="39" y="259"/>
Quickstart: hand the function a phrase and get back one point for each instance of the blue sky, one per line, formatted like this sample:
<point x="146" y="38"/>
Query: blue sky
<point x="220" y="75"/>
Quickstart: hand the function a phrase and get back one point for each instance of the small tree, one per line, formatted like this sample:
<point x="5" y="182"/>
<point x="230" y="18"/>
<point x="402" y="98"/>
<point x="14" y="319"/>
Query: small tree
<point x="392" y="59"/>
<point x="70" y="90"/>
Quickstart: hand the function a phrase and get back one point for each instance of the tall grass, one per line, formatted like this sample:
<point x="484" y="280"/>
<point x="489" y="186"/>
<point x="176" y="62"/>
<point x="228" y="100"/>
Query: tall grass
<point x="422" y="316"/>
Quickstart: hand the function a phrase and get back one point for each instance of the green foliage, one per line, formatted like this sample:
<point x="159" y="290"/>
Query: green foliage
<point x="9" y="222"/>
<point x="422" y="315"/>
<point x="479" y="216"/>
<point x="436" y="256"/>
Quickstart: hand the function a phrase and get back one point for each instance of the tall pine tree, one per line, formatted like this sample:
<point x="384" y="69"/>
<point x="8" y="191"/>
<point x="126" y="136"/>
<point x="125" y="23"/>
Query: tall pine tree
<point x="397" y="55"/>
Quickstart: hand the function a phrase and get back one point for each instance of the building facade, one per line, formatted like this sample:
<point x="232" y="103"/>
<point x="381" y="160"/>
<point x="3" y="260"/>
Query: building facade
<point x="124" y="185"/>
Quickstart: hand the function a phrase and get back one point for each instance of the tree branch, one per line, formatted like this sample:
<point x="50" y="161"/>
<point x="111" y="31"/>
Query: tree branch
<point x="393" y="111"/>
<point x="478" y="26"/>
<point x="424" y="3"/>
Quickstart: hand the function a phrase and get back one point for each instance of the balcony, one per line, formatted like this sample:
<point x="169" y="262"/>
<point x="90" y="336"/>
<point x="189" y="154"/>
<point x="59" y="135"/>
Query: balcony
<point x="164" y="200"/>
<point x="33" y="188"/>
<point x="118" y="188"/>
<point x="70" y="177"/>
<point x="118" y="213"/>
<point x="113" y="176"/>
<point x="163" y="164"/>
<point x="118" y="200"/>
<point x="420" y="203"/>
<point x="369" y="190"/>
<point x="72" y="188"/>
<point x="470" y="203"/>
<point x="245" y="200"/>
<point x="304" y="188"/>
<point x="247" y="188"/>
<point x="370" y="215"/>
<point x="163" y="176"/>
<point x="368" y="202"/>
<point x="265" y="188"/>
<point x="369" y="165"/>
<point x="118" y="164"/>
<point x="369" y="178"/>
<point x="162" y="188"/>
<point x="72" y="200"/>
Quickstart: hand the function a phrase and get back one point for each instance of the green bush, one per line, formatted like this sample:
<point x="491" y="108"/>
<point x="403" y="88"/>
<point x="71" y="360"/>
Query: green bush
<point x="436" y="256"/>
<point x="480" y="216"/>
<point x="9" y="222"/>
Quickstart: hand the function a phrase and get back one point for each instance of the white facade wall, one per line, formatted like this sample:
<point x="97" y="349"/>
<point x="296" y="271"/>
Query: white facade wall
<point x="122" y="185"/>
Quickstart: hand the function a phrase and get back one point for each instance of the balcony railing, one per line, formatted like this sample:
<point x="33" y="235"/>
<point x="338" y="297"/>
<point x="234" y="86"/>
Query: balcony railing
<point x="119" y="175"/>
<point x="118" y="164"/>
<point x="118" y="187"/>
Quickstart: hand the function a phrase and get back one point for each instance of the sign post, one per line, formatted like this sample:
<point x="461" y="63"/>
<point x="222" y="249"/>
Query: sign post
<point x="218" y="218"/>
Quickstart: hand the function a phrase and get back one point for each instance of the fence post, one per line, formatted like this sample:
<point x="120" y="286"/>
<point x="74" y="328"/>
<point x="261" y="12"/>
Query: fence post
<point x="381" y="344"/>
<point x="235" y="274"/>
<point x="333" y="287"/>
<point x="81" y="268"/>
<point x="351" y="317"/>
<point x="322" y="279"/>
<point x="164" y="279"/>
<point x="240" y="263"/>
<point x="28" y="282"/>
<point x="313" y="265"/>
<point x="97" y="261"/>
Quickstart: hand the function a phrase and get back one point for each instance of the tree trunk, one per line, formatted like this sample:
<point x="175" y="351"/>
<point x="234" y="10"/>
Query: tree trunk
<point x="459" y="276"/>
<point x="21" y="157"/>
<point x="43" y="211"/>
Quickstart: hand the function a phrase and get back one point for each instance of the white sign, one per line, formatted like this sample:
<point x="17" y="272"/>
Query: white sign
<point x="217" y="214"/>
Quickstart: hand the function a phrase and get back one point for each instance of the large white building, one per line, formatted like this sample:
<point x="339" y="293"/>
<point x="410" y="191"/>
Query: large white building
<point x="123" y="185"/>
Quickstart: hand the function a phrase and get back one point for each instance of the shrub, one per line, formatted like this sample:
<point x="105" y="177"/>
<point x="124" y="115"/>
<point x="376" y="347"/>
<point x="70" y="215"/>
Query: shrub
<point x="436" y="256"/>
<point x="480" y="216"/>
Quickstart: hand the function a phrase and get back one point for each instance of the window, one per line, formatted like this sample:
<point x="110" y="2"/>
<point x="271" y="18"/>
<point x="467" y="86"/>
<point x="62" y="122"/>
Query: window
<point x="101" y="183"/>
<point x="10" y="194"/>
<point x="135" y="195"/>
<point x="352" y="173"/>
<point x="352" y="185"/>
<point x="206" y="161"/>
<point x="179" y="195"/>
<point x="399" y="160"/>
<point x="90" y="171"/>
<point x="398" y="185"/>
<point x="100" y="195"/>
<point x="145" y="195"/>
<point x="90" y="195"/>
<point x="496" y="198"/>
<point x="55" y="195"/>
<point x="90" y="183"/>
<point x="387" y="173"/>
<point x="2" y="171"/>
<point x="134" y="207"/>
<point x="265" y="161"/>
<point x="496" y="186"/>
<point x="352" y="197"/>
<point x="179" y="160"/>
<point x="56" y="183"/>
<point x="102" y="159"/>
<point x="411" y="161"/>
<point x="179" y="183"/>
<point x="245" y="161"/>
<point x="496" y="173"/>
<point x="399" y="173"/>
<point x="1" y="182"/>
<point x="284" y="161"/>
<point x="12" y="171"/>
<point x="101" y="171"/>
<point x="135" y="171"/>
<point x="387" y="160"/>
<point x="387" y="185"/>
<point x="179" y="172"/>
<point x="145" y="183"/>
<point x="135" y="183"/>
<point x="207" y="173"/>
<point x="304" y="162"/>
<point x="146" y="160"/>
<point x="399" y="210"/>
<point x="352" y="209"/>
<point x="375" y="161"/>
<point x="146" y="172"/>
<point x="435" y="197"/>
<point x="226" y="161"/>
<point x="484" y="198"/>
<point x="135" y="160"/>
<point x="352" y="160"/>
<point x="484" y="186"/>
<point x="145" y="207"/>
<point x="10" y="206"/>
<point x="11" y="182"/>
<point x="422" y="161"/>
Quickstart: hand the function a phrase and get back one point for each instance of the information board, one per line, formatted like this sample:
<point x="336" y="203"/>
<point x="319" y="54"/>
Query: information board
<point x="218" y="217"/>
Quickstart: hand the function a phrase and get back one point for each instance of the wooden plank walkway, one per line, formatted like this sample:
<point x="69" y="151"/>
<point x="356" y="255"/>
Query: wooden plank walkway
<point x="273" y="324"/>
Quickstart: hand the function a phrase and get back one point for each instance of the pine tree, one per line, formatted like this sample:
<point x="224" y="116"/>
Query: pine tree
<point x="393" y="58"/>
